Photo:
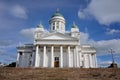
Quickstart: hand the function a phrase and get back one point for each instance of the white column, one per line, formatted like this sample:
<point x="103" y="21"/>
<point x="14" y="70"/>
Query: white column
<point x="61" y="56"/>
<point x="76" y="52"/>
<point x="44" y="56"/>
<point x="95" y="60"/>
<point x="36" y="56"/>
<point x="90" y="61"/>
<point x="17" y="64"/>
<point x="52" y="56"/>
<point x="83" y="61"/>
<point x="33" y="58"/>
<point x="74" y="58"/>
<point x="80" y="62"/>
<point x="68" y="56"/>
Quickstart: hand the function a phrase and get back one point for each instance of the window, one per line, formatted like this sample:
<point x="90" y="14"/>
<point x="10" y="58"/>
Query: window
<point x="30" y="63"/>
<point x="82" y="55"/>
<point x="20" y="53"/>
<point x="56" y="58"/>
<point x="53" y="27"/>
<point x="53" y="24"/>
<point x="30" y="55"/>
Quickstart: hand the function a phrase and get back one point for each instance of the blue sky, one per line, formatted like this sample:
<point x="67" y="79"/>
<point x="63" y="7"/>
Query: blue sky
<point x="98" y="22"/>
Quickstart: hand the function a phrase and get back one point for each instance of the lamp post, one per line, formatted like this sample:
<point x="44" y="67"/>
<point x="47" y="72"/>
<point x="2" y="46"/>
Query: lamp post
<point x="112" y="51"/>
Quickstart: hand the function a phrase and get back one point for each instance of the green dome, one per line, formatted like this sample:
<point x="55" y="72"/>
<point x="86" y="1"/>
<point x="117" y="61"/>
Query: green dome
<point x="74" y="25"/>
<point x="57" y="13"/>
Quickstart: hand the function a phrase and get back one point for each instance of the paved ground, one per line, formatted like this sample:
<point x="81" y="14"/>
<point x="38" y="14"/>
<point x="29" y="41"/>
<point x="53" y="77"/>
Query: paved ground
<point x="59" y="74"/>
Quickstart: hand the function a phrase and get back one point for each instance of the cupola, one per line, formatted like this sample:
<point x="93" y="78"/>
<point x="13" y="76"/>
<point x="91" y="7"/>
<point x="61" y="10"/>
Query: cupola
<point x="57" y="22"/>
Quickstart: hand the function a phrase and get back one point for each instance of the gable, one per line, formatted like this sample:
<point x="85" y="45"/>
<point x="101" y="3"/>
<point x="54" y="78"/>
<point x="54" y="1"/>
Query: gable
<point x="58" y="36"/>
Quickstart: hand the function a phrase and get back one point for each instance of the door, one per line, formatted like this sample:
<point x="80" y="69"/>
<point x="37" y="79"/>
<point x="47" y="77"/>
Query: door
<point x="56" y="63"/>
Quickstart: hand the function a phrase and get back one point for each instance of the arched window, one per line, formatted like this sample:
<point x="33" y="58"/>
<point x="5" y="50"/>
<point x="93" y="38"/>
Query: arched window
<point x="53" y="27"/>
<point x="20" y="53"/>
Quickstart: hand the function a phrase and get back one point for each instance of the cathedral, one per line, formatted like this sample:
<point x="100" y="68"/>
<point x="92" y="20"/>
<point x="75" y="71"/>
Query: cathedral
<point x="56" y="48"/>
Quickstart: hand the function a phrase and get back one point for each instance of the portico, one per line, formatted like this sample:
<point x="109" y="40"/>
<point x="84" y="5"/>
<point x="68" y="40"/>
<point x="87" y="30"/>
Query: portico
<point x="51" y="52"/>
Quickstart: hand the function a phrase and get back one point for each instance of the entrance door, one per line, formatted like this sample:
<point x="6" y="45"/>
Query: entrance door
<point x="56" y="63"/>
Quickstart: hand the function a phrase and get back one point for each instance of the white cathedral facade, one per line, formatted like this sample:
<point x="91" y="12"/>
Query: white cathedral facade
<point x="56" y="48"/>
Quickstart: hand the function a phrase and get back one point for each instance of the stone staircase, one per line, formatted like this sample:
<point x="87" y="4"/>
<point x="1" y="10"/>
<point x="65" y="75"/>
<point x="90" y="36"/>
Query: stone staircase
<point x="59" y="74"/>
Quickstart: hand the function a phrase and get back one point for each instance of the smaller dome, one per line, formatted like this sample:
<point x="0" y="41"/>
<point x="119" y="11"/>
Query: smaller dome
<point x="74" y="25"/>
<point x="57" y="13"/>
<point x="40" y="25"/>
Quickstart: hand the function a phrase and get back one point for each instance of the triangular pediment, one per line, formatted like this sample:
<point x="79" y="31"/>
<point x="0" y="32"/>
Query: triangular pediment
<point x="58" y="36"/>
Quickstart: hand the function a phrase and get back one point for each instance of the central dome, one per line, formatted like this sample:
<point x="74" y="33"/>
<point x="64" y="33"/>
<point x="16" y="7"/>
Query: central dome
<point x="57" y="22"/>
<point x="57" y="13"/>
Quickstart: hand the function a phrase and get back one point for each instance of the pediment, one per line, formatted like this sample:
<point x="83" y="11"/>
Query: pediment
<point x="58" y="36"/>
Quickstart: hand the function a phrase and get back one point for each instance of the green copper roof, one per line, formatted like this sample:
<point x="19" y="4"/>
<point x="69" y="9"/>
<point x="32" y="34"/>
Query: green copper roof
<point x="40" y="25"/>
<point x="74" y="25"/>
<point x="57" y="13"/>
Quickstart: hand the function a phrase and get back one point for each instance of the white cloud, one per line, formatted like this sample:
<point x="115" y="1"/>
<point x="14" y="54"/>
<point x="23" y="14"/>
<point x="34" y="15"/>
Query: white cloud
<point x="105" y="11"/>
<point x="28" y="33"/>
<point x="102" y="46"/>
<point x="19" y="11"/>
<point x="14" y="10"/>
<point x="102" y="63"/>
<point x="112" y="31"/>
<point x="82" y="15"/>
<point x="84" y="37"/>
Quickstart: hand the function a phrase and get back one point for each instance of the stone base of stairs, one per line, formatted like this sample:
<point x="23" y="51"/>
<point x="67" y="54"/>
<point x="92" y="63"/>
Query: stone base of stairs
<point x="59" y="74"/>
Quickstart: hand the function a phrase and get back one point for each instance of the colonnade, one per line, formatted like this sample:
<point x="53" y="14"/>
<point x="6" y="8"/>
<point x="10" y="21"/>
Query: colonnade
<point x="75" y="61"/>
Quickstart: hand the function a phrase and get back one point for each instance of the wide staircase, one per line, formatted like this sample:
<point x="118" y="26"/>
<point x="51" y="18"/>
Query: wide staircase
<point x="59" y="74"/>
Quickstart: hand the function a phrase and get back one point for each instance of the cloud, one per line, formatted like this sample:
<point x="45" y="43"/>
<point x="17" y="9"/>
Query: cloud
<point x="112" y="31"/>
<point x="28" y="33"/>
<point x="19" y="12"/>
<point x="104" y="11"/>
<point x="4" y="43"/>
<point x="102" y="46"/>
<point x="102" y="63"/>
<point x="15" y="10"/>
<point x="84" y="37"/>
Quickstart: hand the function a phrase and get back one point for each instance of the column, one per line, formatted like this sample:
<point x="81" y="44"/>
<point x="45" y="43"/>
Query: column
<point x="44" y="56"/>
<point x="17" y="64"/>
<point x="90" y="61"/>
<point x="76" y="52"/>
<point x="95" y="60"/>
<point x="33" y="58"/>
<point x="36" y="56"/>
<point x="61" y="56"/>
<point x="74" y="61"/>
<point x="52" y="56"/>
<point x="80" y="62"/>
<point x="68" y="56"/>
